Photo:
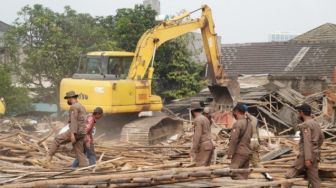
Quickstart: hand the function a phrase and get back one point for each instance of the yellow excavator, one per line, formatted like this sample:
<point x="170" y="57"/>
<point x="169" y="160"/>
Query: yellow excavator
<point x="2" y="106"/>
<point x="121" y="82"/>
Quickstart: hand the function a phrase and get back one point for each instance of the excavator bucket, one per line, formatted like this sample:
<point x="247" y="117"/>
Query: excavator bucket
<point x="151" y="130"/>
<point x="226" y="94"/>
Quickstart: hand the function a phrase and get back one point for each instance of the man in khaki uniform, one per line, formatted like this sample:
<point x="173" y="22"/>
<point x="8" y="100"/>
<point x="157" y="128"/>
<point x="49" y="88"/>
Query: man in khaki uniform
<point x="311" y="139"/>
<point x="255" y="145"/>
<point x="202" y="147"/>
<point x="239" y="148"/>
<point x="76" y="132"/>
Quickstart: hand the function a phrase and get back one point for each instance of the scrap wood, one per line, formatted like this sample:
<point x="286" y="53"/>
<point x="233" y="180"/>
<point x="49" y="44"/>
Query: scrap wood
<point x="10" y="180"/>
<point x="99" y="161"/>
<point x="270" y="183"/>
<point x="9" y="136"/>
<point x="279" y="160"/>
<point x="85" y="168"/>
<point x="216" y="169"/>
<point x="137" y="159"/>
<point x="12" y="145"/>
<point x="19" y="159"/>
<point x="46" y="137"/>
<point x="275" y="153"/>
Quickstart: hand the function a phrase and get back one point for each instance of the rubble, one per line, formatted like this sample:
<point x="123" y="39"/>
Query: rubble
<point x="123" y="164"/>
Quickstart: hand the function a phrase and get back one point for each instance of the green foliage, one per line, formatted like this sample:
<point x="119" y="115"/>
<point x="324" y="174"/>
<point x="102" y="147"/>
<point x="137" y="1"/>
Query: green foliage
<point x="44" y="46"/>
<point x="129" y="24"/>
<point x="16" y="98"/>
<point x="51" y="44"/>
<point x="176" y="74"/>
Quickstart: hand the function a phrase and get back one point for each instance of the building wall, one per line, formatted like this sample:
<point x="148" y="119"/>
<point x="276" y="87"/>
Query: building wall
<point x="305" y="86"/>
<point x="155" y="4"/>
<point x="273" y="37"/>
<point x="3" y="28"/>
<point x="195" y="46"/>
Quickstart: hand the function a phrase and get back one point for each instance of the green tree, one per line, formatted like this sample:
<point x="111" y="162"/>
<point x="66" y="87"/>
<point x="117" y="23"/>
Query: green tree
<point x="176" y="74"/>
<point x="46" y="45"/>
<point x="129" y="24"/>
<point x="16" y="98"/>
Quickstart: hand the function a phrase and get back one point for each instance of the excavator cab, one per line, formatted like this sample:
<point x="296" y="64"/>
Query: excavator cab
<point x="101" y="80"/>
<point x="107" y="65"/>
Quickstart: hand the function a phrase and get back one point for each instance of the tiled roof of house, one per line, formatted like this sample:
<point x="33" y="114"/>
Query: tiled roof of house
<point x="324" y="32"/>
<point x="302" y="57"/>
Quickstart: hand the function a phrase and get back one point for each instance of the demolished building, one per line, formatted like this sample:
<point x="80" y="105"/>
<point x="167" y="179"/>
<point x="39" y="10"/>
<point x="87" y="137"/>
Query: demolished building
<point x="305" y="63"/>
<point x="277" y="76"/>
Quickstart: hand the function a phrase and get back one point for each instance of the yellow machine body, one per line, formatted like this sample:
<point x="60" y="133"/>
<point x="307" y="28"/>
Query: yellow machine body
<point x="121" y="82"/>
<point x="2" y="107"/>
<point x="112" y="94"/>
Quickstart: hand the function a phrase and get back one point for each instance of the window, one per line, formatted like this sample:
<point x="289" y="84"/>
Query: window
<point x="90" y="65"/>
<point x="118" y="66"/>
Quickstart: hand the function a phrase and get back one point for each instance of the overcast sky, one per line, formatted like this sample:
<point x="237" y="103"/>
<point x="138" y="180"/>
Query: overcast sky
<point x="236" y="21"/>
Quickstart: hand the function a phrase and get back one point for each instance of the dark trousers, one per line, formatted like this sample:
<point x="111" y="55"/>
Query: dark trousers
<point x="90" y="154"/>
<point x="240" y="162"/>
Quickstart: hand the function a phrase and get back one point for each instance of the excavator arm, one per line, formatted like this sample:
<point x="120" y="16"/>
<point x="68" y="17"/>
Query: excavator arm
<point x="173" y="28"/>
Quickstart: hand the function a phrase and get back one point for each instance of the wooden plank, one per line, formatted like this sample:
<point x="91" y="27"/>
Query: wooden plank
<point x="275" y="153"/>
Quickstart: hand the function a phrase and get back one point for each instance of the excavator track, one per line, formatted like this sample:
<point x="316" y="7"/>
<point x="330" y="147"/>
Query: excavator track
<point x="151" y="130"/>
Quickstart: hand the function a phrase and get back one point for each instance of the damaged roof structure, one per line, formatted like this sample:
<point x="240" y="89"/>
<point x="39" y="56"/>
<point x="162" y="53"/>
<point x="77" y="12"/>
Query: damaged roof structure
<point x="301" y="70"/>
<point x="277" y="76"/>
<point x="305" y="63"/>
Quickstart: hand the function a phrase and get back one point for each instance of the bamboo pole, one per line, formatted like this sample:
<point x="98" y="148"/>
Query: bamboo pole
<point x="102" y="178"/>
<point x="9" y="136"/>
<point x="268" y="134"/>
<point x="278" y="160"/>
<point x="143" y="147"/>
<point x="100" y="158"/>
<point x="269" y="183"/>
<point x="16" y="178"/>
<point x="16" y="146"/>
<point x="46" y="137"/>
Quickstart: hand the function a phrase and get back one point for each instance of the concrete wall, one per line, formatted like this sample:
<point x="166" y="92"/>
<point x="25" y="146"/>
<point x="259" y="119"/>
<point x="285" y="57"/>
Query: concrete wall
<point x="305" y="86"/>
<point x="155" y="4"/>
<point x="195" y="46"/>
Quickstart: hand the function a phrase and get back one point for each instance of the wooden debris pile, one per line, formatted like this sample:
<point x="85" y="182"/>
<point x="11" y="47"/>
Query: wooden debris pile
<point x="24" y="144"/>
<point x="123" y="165"/>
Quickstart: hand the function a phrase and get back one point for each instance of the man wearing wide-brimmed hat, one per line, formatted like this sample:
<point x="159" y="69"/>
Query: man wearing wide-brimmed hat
<point x="202" y="147"/>
<point x="76" y="132"/>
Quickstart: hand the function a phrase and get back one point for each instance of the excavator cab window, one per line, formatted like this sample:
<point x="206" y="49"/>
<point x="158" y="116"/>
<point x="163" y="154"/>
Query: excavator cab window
<point x="118" y="66"/>
<point x="90" y="65"/>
